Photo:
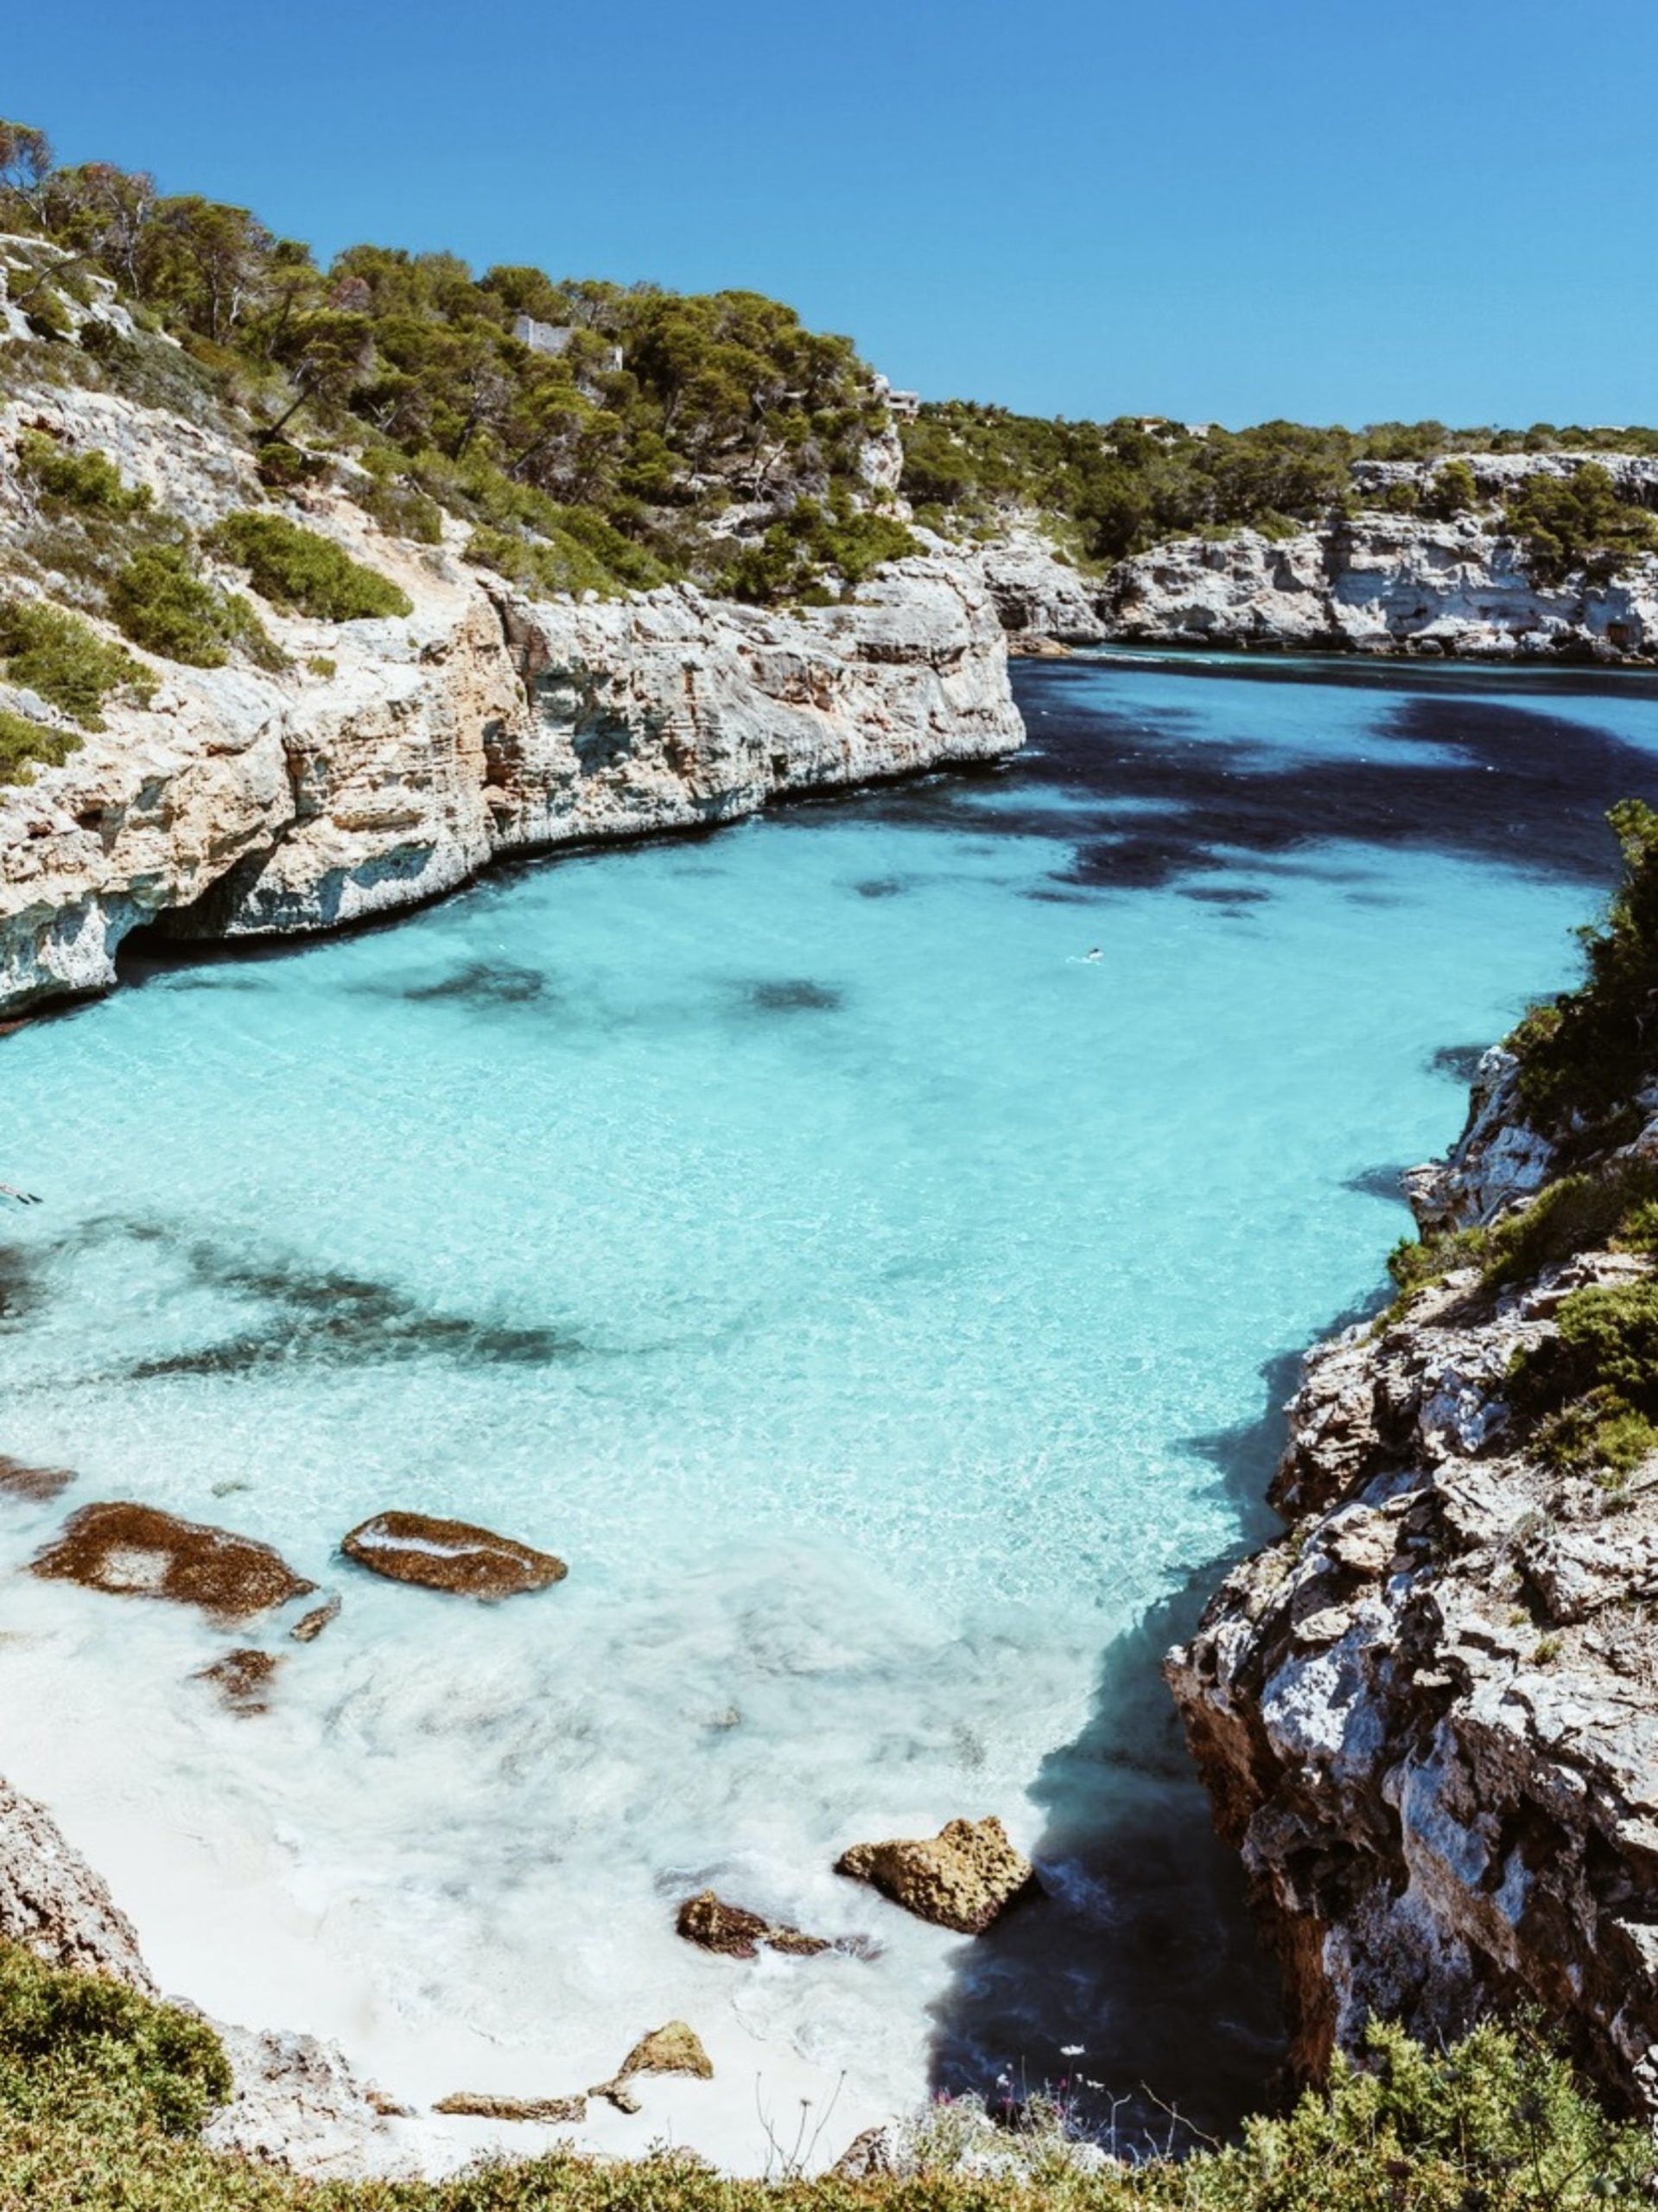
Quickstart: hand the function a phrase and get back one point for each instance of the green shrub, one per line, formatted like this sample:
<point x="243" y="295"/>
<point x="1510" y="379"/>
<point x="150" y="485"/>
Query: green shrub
<point x="1451" y="490"/>
<point x="90" y="481"/>
<point x="23" y="744"/>
<point x="1577" y="522"/>
<point x="319" y="665"/>
<point x="280" y="465"/>
<point x="102" y="2094"/>
<point x="402" y="509"/>
<point x="160" y="602"/>
<point x="293" y="567"/>
<point x="149" y="2066"/>
<point x="1584" y="1055"/>
<point x="59" y="655"/>
<point x="1593" y="1388"/>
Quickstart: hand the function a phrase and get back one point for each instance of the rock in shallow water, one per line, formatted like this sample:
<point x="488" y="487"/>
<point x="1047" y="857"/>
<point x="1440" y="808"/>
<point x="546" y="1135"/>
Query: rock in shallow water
<point x="243" y="1679"/>
<point x="963" y="1877"/>
<point x="34" y="1485"/>
<point x="139" y="1551"/>
<point x="553" y="2111"/>
<point x="450" y="1555"/>
<point x="736" y="1933"/>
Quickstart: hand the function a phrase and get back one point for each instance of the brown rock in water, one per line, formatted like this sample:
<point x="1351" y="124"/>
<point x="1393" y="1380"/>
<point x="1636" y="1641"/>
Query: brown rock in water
<point x="309" y="1626"/>
<point x="243" y="1679"/>
<point x="36" y="1485"/>
<point x="139" y="1551"/>
<point x="736" y="1933"/>
<point x="450" y="1555"/>
<point x="963" y="1877"/>
<point x="675" y="2048"/>
<point x="560" y="2111"/>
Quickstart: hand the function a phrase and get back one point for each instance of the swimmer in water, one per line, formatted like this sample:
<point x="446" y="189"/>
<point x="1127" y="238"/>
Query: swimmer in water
<point x="1093" y="953"/>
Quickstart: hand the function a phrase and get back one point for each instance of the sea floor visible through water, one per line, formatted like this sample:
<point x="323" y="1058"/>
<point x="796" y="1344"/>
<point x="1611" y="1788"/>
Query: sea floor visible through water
<point x="878" y="1300"/>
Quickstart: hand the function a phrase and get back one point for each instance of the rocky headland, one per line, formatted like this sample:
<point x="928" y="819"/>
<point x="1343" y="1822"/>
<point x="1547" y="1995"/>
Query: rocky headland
<point x="392" y="759"/>
<point x="1428" y="1714"/>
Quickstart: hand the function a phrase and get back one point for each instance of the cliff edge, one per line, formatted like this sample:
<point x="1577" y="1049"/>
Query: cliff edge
<point x="1428" y="1714"/>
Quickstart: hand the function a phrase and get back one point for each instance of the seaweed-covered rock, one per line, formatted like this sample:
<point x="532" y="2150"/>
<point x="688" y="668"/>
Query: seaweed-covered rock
<point x="139" y="1551"/>
<point x="243" y="1679"/>
<point x="963" y="1877"/>
<point x="34" y="1485"/>
<point x="450" y="1555"/>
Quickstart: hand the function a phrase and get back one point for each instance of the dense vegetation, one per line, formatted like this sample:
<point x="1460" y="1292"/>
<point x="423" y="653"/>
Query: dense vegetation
<point x="103" y="2093"/>
<point x="619" y="446"/>
<point x="1113" y="488"/>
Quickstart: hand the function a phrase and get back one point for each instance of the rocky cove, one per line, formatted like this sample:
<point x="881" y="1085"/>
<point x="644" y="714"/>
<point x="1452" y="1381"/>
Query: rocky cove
<point x="1002" y="1364"/>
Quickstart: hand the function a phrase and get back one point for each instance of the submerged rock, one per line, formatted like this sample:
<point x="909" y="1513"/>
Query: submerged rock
<point x="555" y="2111"/>
<point x="34" y="1485"/>
<point x="736" y="1933"/>
<point x="450" y="1555"/>
<point x="963" y="1877"/>
<point x="53" y="1904"/>
<point x="243" y="1679"/>
<point x="309" y="1626"/>
<point x="139" y="1551"/>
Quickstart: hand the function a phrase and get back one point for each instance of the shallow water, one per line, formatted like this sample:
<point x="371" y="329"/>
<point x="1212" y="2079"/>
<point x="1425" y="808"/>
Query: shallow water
<point x="877" y="1302"/>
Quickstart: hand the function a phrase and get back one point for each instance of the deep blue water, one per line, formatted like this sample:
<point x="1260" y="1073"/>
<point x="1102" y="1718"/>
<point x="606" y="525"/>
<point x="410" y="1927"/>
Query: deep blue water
<point x="879" y="1303"/>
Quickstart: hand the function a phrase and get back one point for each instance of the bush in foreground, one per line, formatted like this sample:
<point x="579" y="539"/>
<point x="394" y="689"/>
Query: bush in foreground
<point x="102" y="2094"/>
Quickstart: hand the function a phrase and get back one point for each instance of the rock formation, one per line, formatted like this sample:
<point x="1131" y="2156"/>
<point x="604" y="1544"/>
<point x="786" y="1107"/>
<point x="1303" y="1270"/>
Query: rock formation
<point x="1379" y="584"/>
<point x="963" y="1877"/>
<point x="139" y="1551"/>
<point x="1429" y="1714"/>
<point x="53" y="1903"/>
<point x="450" y="1555"/>
<point x="736" y="1933"/>
<point x="37" y="1485"/>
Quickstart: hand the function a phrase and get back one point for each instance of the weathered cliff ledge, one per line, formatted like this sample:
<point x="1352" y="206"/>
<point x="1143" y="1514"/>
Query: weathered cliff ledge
<point x="396" y="758"/>
<point x="1428" y="1715"/>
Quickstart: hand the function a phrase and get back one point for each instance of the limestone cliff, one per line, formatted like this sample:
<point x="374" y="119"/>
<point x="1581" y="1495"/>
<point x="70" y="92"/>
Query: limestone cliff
<point x="392" y="759"/>
<point x="1428" y="1715"/>
<point x="1379" y="584"/>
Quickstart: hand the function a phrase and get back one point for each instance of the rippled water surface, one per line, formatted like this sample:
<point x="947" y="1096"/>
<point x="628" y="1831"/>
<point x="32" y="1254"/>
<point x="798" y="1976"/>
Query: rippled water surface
<point x="876" y="1301"/>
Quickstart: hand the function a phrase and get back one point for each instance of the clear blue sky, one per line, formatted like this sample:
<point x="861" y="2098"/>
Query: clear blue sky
<point x="1208" y="209"/>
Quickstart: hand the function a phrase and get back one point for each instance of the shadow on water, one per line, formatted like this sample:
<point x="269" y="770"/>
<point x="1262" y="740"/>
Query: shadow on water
<point x="1138" y="1980"/>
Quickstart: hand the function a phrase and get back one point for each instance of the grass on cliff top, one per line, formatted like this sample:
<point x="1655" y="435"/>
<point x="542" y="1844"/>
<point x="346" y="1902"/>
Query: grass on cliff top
<point x="103" y="2093"/>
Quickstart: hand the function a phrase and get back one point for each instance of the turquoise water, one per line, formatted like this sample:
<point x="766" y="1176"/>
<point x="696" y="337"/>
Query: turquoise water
<point x="871" y="1297"/>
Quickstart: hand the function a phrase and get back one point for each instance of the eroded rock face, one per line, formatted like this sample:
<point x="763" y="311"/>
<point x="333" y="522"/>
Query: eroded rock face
<point x="53" y="1904"/>
<point x="139" y="1551"/>
<point x="1380" y="583"/>
<point x="736" y="1933"/>
<point x="242" y="804"/>
<point x="1040" y="599"/>
<point x="296" y="2103"/>
<point x="1428" y="1716"/>
<point x="963" y="1877"/>
<point x="450" y="1555"/>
